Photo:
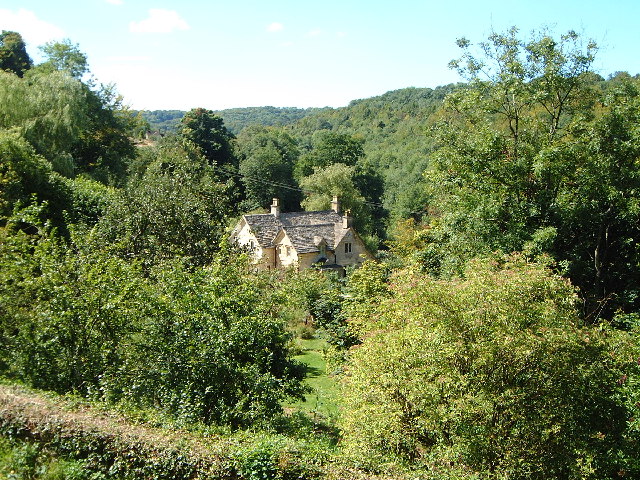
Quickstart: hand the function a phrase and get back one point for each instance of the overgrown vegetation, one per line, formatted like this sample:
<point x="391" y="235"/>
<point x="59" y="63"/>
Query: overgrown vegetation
<point x="495" y="338"/>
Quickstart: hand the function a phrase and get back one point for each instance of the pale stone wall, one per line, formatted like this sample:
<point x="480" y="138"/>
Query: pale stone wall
<point x="262" y="257"/>
<point x="285" y="252"/>
<point x="243" y="237"/>
<point x="355" y="256"/>
<point x="306" y="260"/>
<point x="268" y="259"/>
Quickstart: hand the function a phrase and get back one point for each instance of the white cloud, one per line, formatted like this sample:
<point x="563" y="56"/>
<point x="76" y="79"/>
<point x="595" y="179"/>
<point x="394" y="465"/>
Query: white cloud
<point x="160" y="21"/>
<point x="33" y="30"/>
<point x="314" y="33"/>
<point x="341" y="34"/>
<point x="275" y="27"/>
<point x="115" y="2"/>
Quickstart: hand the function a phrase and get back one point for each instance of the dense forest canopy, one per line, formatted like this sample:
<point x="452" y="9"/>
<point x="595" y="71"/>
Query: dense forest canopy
<point x="494" y="337"/>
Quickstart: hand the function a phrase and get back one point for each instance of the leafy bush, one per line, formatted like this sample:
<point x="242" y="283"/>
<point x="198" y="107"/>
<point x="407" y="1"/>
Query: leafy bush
<point x="491" y="373"/>
<point x="22" y="460"/>
<point x="205" y="345"/>
<point x="213" y="350"/>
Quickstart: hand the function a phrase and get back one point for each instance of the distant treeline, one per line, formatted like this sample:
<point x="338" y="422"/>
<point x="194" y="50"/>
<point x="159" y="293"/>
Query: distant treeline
<point x="235" y="119"/>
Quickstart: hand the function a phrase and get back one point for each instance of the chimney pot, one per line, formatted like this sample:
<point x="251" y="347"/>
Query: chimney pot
<point x="275" y="207"/>
<point x="347" y="220"/>
<point x="335" y="204"/>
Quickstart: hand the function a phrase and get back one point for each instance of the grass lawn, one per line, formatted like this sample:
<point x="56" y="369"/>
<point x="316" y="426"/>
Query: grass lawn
<point x="322" y="399"/>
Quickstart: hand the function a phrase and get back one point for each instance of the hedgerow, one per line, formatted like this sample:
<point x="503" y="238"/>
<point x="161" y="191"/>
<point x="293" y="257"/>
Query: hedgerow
<point x="107" y="444"/>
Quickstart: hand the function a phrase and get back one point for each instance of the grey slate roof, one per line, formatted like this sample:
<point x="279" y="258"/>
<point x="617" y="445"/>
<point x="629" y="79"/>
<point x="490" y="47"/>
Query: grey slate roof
<point x="323" y="217"/>
<point x="300" y="227"/>
<point x="303" y="239"/>
<point x="264" y="227"/>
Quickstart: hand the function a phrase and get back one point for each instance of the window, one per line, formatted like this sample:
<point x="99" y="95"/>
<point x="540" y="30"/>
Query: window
<point x="347" y="247"/>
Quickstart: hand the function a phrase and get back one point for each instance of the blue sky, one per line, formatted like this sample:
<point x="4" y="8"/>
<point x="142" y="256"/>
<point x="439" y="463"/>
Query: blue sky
<point x="238" y="53"/>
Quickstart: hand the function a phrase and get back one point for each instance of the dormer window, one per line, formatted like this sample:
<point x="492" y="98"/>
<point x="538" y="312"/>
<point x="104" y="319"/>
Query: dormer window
<point x="347" y="247"/>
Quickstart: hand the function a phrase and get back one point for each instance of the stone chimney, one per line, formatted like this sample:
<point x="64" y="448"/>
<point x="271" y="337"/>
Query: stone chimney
<point x="275" y="207"/>
<point x="347" y="219"/>
<point x="335" y="204"/>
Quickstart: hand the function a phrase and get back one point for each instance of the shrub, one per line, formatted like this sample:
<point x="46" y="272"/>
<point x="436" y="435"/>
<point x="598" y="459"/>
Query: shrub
<point x="490" y="373"/>
<point x="204" y="344"/>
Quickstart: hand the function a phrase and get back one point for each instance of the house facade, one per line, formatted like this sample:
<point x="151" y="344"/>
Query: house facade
<point x="300" y="240"/>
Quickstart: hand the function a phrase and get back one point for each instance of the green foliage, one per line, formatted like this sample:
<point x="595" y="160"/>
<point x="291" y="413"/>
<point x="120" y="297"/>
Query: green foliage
<point x="260" y="463"/>
<point x="268" y="156"/>
<point x="529" y="160"/>
<point x="214" y="350"/>
<point x="364" y="289"/>
<point x="396" y="145"/>
<point x="48" y="108"/>
<point x="101" y="446"/>
<point x="78" y="440"/>
<point x="490" y="373"/>
<point x="317" y="298"/>
<point x="65" y="56"/>
<point x="203" y="346"/>
<point x="328" y="148"/>
<point x="162" y="121"/>
<point x="29" y="461"/>
<point x="26" y="176"/>
<point x="237" y="119"/>
<point x="175" y="208"/>
<point x="104" y="148"/>
<point x="599" y="204"/>
<point x="65" y="312"/>
<point x="337" y="179"/>
<point x="90" y="200"/>
<point x="75" y="128"/>
<point x="13" y="53"/>
<point x="207" y="132"/>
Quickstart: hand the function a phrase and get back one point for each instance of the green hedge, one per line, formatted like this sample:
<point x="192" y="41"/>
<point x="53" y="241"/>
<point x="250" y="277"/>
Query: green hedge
<point x="109" y="445"/>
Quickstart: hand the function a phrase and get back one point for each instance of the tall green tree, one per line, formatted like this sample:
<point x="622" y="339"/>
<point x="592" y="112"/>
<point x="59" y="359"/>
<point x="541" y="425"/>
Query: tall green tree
<point x="599" y="203"/>
<point x="511" y="146"/>
<point x="267" y="158"/>
<point x="177" y="208"/>
<point x="76" y="126"/>
<point x="27" y="178"/>
<point x="327" y="148"/>
<point x="104" y="148"/>
<point x="337" y="180"/>
<point x="206" y="130"/>
<point x="13" y="53"/>
<point x="47" y="108"/>
<point x="65" y="56"/>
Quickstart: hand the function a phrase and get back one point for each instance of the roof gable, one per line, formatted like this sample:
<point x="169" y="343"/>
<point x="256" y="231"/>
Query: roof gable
<point x="264" y="227"/>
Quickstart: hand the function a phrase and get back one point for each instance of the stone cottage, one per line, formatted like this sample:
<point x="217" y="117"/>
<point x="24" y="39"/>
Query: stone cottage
<point x="324" y="239"/>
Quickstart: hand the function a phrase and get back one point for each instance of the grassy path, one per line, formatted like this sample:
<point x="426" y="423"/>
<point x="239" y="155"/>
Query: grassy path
<point x="322" y="400"/>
